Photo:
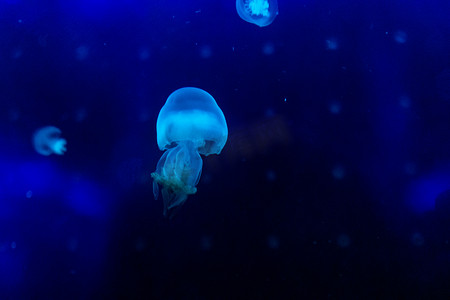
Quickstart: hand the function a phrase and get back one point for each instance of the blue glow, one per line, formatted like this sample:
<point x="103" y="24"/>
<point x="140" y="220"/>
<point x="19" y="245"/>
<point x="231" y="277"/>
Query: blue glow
<point x="41" y="181"/>
<point x="85" y="198"/>
<point x="19" y="179"/>
<point x="422" y="193"/>
<point x="11" y="271"/>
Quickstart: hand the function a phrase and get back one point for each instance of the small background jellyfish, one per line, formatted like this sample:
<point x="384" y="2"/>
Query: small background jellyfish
<point x="47" y="140"/>
<point x="189" y="124"/>
<point x="258" y="12"/>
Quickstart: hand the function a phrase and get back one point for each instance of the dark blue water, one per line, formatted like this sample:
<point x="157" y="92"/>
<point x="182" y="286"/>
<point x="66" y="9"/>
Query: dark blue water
<point x="334" y="181"/>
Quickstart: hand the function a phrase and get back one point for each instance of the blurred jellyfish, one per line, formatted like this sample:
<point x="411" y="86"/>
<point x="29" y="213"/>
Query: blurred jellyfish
<point x="270" y="175"/>
<point x="47" y="140"/>
<point x="400" y="37"/>
<point x="189" y="124"/>
<point x="338" y="172"/>
<point x="331" y="44"/>
<point x="81" y="52"/>
<point x="424" y="190"/>
<point x="268" y="48"/>
<point x="205" y="51"/>
<point x="273" y="242"/>
<point x="258" y="12"/>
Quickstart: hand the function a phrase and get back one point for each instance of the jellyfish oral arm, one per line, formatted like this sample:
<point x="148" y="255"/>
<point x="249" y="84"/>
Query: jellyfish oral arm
<point x="59" y="146"/>
<point x="258" y="12"/>
<point x="259" y="8"/>
<point x="178" y="172"/>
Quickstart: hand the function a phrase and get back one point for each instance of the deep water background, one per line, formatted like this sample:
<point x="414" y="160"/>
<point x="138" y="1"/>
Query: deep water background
<point x="334" y="182"/>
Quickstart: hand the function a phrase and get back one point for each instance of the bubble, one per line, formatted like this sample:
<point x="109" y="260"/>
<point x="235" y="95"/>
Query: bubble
<point x="206" y="243"/>
<point x="338" y="172"/>
<point x="271" y="176"/>
<point x="335" y="108"/>
<point x="80" y="115"/>
<point x="273" y="242"/>
<point x="140" y="245"/>
<point x="343" y="241"/>
<point x="205" y="52"/>
<point x="268" y="48"/>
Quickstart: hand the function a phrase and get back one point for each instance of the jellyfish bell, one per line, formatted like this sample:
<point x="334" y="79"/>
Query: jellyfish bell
<point x="192" y="114"/>
<point x="47" y="140"/>
<point x="258" y="12"/>
<point x="189" y="124"/>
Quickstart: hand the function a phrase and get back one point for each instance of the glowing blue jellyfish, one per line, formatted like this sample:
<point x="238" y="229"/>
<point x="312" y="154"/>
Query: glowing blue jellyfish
<point x="47" y="140"/>
<point x="189" y="124"/>
<point x="258" y="12"/>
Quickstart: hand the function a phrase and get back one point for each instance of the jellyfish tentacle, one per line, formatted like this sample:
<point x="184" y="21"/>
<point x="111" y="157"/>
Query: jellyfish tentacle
<point x="178" y="171"/>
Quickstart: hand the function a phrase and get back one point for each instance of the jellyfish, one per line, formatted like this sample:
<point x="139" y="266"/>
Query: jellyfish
<point x="47" y="140"/>
<point x="258" y="12"/>
<point x="189" y="124"/>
